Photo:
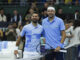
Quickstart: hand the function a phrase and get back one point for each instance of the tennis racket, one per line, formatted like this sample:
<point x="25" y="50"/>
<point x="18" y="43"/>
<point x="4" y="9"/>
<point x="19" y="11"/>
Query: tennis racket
<point x="44" y="52"/>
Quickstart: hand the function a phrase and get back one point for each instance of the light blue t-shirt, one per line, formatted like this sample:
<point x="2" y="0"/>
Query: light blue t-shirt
<point x="32" y="35"/>
<point x="52" y="32"/>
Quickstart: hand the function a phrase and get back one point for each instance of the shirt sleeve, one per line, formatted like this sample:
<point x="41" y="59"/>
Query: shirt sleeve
<point x="62" y="26"/>
<point x="23" y="32"/>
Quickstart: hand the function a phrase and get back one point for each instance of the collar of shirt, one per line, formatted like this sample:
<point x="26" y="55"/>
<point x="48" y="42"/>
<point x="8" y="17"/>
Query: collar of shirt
<point x="34" y="26"/>
<point x="52" y="20"/>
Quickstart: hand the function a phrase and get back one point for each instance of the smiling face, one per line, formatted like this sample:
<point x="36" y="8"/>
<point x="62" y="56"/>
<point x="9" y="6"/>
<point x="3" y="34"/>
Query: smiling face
<point x="50" y="13"/>
<point x="15" y="12"/>
<point x="2" y="12"/>
<point x="35" y="17"/>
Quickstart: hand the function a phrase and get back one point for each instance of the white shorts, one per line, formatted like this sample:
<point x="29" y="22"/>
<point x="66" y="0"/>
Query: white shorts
<point x="30" y="56"/>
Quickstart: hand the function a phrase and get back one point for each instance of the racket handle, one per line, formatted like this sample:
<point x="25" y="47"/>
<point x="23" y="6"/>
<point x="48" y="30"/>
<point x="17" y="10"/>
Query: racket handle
<point x="64" y="51"/>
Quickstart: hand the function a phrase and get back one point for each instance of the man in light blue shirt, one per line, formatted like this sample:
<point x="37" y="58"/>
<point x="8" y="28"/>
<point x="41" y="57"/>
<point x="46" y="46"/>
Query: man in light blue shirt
<point x="54" y="34"/>
<point x="32" y="34"/>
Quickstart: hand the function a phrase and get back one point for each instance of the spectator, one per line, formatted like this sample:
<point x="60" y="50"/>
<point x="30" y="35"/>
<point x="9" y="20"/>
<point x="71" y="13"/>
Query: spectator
<point x="59" y="1"/>
<point x="71" y="21"/>
<point x="14" y="25"/>
<point x="23" y="2"/>
<point x="2" y="16"/>
<point x="43" y="10"/>
<point x="76" y="15"/>
<point x="68" y="16"/>
<point x="34" y="7"/>
<point x="16" y="17"/>
<point x="75" y="41"/>
<point x="60" y="13"/>
<point x="28" y="16"/>
<point x="66" y="42"/>
<point x="77" y="2"/>
<point x="18" y="29"/>
<point x="11" y="33"/>
<point x="1" y="34"/>
<point x="44" y="14"/>
<point x="45" y="7"/>
<point x="68" y="1"/>
<point x="69" y="30"/>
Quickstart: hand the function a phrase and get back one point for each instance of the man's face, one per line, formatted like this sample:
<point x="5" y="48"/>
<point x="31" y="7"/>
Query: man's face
<point x="14" y="25"/>
<point x="66" y="26"/>
<point x="60" y="11"/>
<point x="35" y="18"/>
<point x="15" y="12"/>
<point x="46" y="5"/>
<point x="50" y="13"/>
<point x="2" y="12"/>
<point x="10" y="27"/>
<point x="31" y="11"/>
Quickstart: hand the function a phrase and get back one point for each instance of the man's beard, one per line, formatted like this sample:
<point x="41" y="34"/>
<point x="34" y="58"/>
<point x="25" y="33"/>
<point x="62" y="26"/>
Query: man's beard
<point x="34" y="21"/>
<point x="51" y="16"/>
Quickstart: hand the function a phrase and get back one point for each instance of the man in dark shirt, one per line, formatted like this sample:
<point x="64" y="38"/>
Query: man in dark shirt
<point x="10" y="33"/>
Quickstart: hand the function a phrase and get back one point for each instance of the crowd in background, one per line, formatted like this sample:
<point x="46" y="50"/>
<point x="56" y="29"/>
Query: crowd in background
<point x="11" y="24"/>
<point x="23" y="2"/>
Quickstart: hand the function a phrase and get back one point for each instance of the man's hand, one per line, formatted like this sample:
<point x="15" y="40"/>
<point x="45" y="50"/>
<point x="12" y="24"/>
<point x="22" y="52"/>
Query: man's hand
<point x="15" y="52"/>
<point x="57" y="49"/>
<point x="43" y="40"/>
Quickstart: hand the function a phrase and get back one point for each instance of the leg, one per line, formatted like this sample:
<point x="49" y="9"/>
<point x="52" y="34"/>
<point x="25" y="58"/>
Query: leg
<point x="50" y="56"/>
<point x="59" y="56"/>
<point x="67" y="55"/>
<point x="76" y="53"/>
<point x="79" y="52"/>
<point x="73" y="53"/>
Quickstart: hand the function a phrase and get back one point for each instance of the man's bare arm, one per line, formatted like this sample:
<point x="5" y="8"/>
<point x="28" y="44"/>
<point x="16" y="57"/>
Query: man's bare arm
<point x="17" y="44"/>
<point x="18" y="41"/>
<point x="63" y="36"/>
<point x="62" y="40"/>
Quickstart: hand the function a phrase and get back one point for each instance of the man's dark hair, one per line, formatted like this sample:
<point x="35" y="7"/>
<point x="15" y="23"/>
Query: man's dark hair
<point x="35" y="13"/>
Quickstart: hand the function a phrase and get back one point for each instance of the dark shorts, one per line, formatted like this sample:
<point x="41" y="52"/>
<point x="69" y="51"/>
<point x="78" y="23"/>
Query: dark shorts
<point x="54" y="55"/>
